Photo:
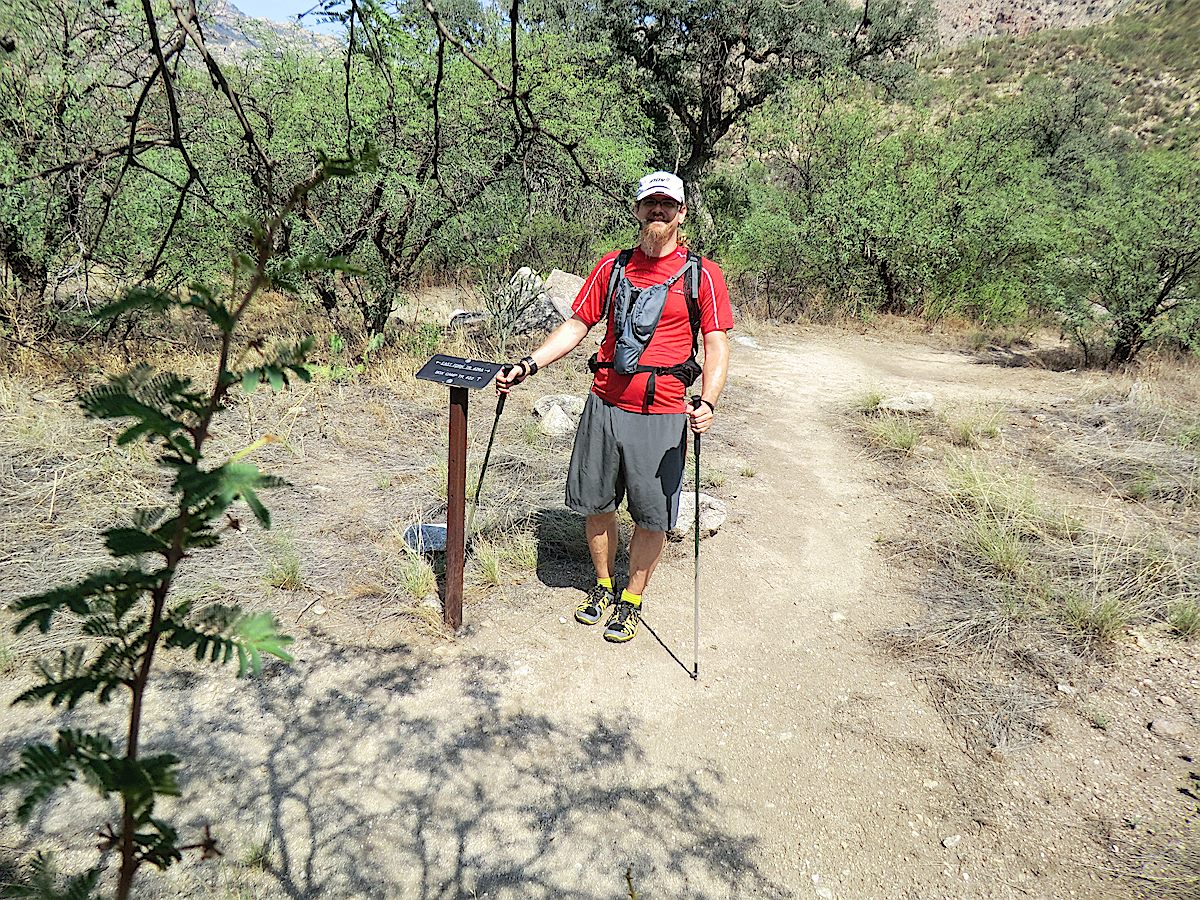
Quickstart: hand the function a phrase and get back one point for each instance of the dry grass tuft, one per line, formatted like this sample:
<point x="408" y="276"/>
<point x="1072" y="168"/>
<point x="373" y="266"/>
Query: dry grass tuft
<point x="283" y="566"/>
<point x="411" y="573"/>
<point x="487" y="562"/>
<point x="967" y="431"/>
<point x="867" y="402"/>
<point x="1136" y="444"/>
<point x="1184" y="618"/>
<point x="894" y="432"/>
<point x="1001" y="495"/>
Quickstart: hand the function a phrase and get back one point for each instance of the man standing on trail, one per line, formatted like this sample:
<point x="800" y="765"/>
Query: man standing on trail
<point x="658" y="301"/>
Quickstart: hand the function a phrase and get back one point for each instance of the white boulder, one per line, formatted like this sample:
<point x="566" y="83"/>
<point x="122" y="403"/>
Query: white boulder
<point x="568" y="403"/>
<point x="914" y="402"/>
<point x="713" y="513"/>
<point x="555" y="422"/>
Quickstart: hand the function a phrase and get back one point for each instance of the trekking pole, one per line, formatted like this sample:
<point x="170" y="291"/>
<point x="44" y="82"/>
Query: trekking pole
<point x="487" y="454"/>
<point x="696" y="520"/>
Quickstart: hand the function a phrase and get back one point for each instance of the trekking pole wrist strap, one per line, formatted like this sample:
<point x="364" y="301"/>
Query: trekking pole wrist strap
<point x="696" y="401"/>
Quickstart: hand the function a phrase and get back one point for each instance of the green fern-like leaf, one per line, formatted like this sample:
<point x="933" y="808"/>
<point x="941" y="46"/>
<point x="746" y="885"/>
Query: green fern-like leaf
<point x="147" y="299"/>
<point x="158" y="845"/>
<point x="77" y="754"/>
<point x="41" y="883"/>
<point x="206" y="302"/>
<point x="110" y="588"/>
<point x="221" y="632"/>
<point x="161" y="405"/>
<point x="68" y="682"/>
<point x="43" y="770"/>
<point x="133" y="542"/>
<point x="75" y="676"/>
<point x="209" y="494"/>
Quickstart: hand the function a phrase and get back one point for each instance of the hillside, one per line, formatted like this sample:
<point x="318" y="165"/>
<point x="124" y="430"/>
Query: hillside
<point x="963" y="20"/>
<point x="1149" y="54"/>
<point x="232" y="31"/>
<point x="959" y="21"/>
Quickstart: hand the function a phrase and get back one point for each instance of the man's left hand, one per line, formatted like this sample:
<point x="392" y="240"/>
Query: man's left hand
<point x="700" y="416"/>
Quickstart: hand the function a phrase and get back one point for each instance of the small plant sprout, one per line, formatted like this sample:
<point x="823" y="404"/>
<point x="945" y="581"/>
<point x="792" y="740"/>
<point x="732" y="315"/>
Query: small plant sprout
<point x="488" y="562"/>
<point x="283" y="570"/>
<point x="868" y="402"/>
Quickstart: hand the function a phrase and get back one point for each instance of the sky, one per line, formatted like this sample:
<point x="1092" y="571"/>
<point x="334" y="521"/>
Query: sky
<point x="283" y="11"/>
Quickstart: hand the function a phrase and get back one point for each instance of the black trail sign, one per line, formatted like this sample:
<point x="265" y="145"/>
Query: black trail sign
<point x="453" y="371"/>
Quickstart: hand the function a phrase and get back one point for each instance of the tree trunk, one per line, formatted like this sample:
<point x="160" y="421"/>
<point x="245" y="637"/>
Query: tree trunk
<point x="30" y="278"/>
<point x="891" y="299"/>
<point x="692" y="172"/>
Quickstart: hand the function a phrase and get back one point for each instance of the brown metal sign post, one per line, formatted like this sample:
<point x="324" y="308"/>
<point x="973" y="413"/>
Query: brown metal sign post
<point x="460" y="375"/>
<point x="456" y="509"/>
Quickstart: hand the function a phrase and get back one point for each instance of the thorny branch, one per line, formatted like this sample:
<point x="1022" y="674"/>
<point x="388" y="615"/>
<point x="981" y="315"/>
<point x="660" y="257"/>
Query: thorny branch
<point x="527" y="121"/>
<point x="189" y="21"/>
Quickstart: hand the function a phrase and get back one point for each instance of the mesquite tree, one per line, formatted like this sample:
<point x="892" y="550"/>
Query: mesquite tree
<point x="704" y="66"/>
<point x="124" y="612"/>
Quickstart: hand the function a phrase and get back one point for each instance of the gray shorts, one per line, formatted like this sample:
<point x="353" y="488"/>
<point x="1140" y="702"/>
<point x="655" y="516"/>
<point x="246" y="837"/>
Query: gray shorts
<point x="619" y="453"/>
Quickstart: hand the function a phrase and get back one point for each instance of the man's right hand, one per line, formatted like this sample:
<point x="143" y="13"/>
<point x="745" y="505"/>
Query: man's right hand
<point x="510" y="376"/>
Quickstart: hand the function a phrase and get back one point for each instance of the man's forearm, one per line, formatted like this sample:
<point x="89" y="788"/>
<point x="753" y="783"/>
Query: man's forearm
<point x="716" y="366"/>
<point x="561" y="341"/>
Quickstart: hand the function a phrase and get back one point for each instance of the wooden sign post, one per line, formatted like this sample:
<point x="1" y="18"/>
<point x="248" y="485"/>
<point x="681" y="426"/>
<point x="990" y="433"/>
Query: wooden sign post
<point x="460" y="375"/>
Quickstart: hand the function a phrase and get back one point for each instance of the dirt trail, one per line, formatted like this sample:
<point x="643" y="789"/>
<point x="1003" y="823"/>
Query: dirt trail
<point x="531" y="759"/>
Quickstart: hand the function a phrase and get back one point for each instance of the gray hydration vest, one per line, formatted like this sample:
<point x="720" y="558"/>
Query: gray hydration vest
<point x="635" y="315"/>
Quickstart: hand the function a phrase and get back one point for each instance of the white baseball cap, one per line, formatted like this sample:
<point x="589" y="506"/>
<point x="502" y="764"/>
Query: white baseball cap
<point x="660" y="183"/>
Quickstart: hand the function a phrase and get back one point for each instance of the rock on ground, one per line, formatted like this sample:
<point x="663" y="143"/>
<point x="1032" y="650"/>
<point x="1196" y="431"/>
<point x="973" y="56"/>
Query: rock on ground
<point x="713" y="513"/>
<point x="562" y="288"/>
<point x="1168" y="727"/>
<point x="465" y="318"/>
<point x="912" y="402"/>
<point x="425" y="538"/>
<point x="556" y="422"/>
<point x="568" y="403"/>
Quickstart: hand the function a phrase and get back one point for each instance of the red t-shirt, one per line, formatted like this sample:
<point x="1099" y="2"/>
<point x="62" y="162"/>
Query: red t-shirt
<point x="672" y="339"/>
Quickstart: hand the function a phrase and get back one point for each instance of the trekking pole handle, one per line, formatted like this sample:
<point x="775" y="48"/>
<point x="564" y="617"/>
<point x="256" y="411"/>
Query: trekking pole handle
<point x="503" y="395"/>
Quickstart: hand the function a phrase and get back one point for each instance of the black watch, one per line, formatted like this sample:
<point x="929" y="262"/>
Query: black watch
<point x="531" y="364"/>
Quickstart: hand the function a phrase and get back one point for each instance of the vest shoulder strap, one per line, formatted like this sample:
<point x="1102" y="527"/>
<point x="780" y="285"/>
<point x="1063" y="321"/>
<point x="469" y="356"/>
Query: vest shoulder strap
<point x="618" y="269"/>
<point x="691" y="291"/>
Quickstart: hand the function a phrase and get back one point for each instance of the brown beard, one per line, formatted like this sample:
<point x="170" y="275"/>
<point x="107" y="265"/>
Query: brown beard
<point x="657" y="234"/>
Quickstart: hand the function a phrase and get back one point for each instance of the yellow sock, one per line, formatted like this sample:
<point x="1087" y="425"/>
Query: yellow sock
<point x="605" y="582"/>
<point x="633" y="599"/>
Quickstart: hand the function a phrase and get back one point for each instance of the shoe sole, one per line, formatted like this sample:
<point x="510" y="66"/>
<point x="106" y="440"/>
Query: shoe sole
<point x="618" y="638"/>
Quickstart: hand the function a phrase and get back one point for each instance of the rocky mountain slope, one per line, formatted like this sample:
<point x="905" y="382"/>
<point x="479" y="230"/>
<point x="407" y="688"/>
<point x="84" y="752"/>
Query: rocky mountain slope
<point x="958" y="21"/>
<point x="230" y="30"/>
<point x="964" y="20"/>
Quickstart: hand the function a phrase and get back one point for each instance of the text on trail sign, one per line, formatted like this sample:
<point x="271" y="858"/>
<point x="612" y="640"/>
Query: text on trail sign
<point x="457" y="372"/>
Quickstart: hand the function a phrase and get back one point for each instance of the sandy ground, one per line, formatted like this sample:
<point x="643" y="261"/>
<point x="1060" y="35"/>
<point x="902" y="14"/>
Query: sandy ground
<point x="530" y="759"/>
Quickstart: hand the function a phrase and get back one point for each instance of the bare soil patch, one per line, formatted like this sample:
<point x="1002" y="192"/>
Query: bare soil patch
<point x="527" y="758"/>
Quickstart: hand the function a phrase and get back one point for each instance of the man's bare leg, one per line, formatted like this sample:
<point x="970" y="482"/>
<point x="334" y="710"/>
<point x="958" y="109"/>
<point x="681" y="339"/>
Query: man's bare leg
<point x="601" y="533"/>
<point x="645" y="550"/>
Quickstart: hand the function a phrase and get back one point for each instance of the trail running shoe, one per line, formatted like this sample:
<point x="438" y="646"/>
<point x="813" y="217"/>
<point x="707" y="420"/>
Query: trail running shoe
<point x="592" y="607"/>
<point x="623" y="624"/>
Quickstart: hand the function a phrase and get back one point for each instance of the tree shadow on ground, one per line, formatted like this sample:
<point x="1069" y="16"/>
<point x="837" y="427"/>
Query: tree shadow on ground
<point x="372" y="773"/>
<point x="1056" y="359"/>
<point x="562" y="554"/>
